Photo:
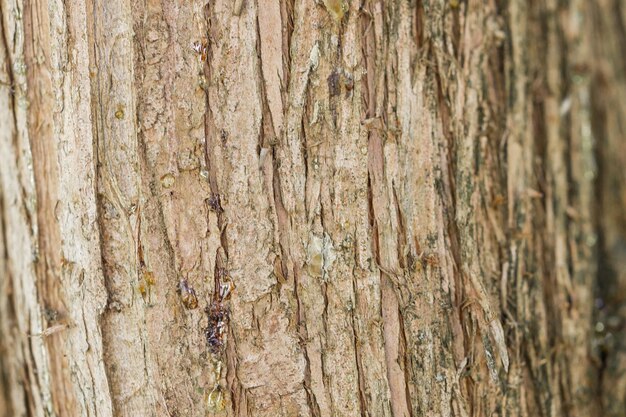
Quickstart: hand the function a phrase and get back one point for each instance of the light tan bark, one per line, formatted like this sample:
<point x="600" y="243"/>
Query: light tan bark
<point x="312" y="208"/>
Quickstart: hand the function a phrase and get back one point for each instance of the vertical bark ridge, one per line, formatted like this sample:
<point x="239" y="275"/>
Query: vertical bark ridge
<point x="262" y="310"/>
<point x="412" y="166"/>
<point x="28" y="390"/>
<point x="468" y="86"/>
<point x="37" y="51"/>
<point x="75" y="210"/>
<point x="180" y="219"/>
<point x="520" y="182"/>
<point x="560" y="294"/>
<point x="608" y="84"/>
<point x="119" y="204"/>
<point x="67" y="269"/>
<point x="373" y="49"/>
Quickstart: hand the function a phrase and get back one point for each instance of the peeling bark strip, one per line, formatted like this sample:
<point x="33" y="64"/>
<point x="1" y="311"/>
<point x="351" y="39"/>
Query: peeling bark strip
<point x="298" y="208"/>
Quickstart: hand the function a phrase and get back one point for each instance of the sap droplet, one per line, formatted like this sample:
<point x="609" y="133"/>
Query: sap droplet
<point x="215" y="400"/>
<point x="167" y="180"/>
<point x="336" y="8"/>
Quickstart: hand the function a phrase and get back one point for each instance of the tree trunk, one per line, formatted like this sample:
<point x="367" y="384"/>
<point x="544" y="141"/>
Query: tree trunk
<point x="298" y="208"/>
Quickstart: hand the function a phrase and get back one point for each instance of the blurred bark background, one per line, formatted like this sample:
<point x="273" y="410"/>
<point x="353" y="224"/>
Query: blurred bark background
<point x="300" y="208"/>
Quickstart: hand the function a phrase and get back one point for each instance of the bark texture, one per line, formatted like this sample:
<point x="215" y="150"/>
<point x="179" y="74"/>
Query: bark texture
<point x="312" y="208"/>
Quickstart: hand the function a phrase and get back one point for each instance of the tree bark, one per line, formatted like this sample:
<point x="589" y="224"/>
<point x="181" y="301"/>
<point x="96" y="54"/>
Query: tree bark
<point x="312" y="208"/>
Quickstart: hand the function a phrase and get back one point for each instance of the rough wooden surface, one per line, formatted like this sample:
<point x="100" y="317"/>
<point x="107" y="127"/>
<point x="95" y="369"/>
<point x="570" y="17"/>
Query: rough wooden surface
<point x="387" y="208"/>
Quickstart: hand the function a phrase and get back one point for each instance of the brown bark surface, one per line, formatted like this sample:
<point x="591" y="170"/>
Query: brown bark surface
<point x="312" y="208"/>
